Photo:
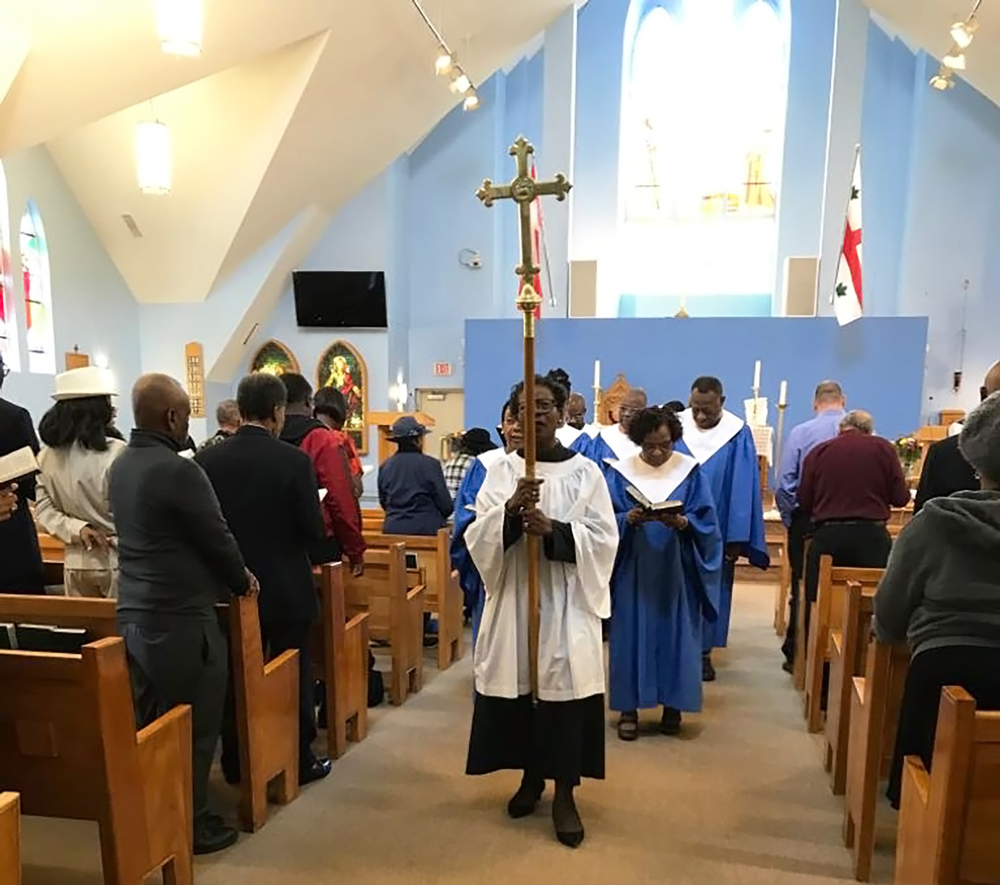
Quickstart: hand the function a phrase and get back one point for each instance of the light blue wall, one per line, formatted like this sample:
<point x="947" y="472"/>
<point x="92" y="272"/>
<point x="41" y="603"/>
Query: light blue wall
<point x="93" y="308"/>
<point x="878" y="360"/>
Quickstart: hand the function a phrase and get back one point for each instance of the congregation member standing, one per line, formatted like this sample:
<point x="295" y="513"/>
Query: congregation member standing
<point x="177" y="559"/>
<point x="227" y="417"/>
<point x="72" y="496"/>
<point x="941" y="595"/>
<point x="665" y="587"/>
<point x="569" y="510"/>
<point x="331" y="461"/>
<point x="465" y="501"/>
<point x="723" y="445"/>
<point x="20" y="558"/>
<point x="268" y="492"/>
<point x="828" y="404"/>
<point x="411" y="486"/>
<point x="612" y="443"/>
<point x="849" y="484"/>
<point x="471" y="445"/>
<point x="330" y="407"/>
<point x="945" y="469"/>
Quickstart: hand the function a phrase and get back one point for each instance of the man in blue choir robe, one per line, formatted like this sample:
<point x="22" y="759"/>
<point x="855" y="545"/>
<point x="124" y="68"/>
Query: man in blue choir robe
<point x="665" y="587"/>
<point x="723" y="445"/>
<point x="468" y="575"/>
<point x="612" y="443"/>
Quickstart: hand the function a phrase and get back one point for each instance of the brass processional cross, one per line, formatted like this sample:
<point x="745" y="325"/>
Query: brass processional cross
<point x="523" y="190"/>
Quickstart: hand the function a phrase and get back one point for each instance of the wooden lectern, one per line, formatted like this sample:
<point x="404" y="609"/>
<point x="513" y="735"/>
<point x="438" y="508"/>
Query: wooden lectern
<point x="384" y="422"/>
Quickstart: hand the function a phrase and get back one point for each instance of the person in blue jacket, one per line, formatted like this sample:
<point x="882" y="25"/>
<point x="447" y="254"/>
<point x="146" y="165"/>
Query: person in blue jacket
<point x="411" y="486"/>
<point x="468" y="576"/>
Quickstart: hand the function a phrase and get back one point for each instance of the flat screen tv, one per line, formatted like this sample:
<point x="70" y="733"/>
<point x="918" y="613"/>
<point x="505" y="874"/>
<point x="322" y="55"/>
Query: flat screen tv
<point x="338" y="299"/>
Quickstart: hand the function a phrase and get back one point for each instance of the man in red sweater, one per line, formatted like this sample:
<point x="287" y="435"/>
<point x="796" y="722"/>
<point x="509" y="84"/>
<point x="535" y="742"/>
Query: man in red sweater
<point x="849" y="483"/>
<point x="341" y="513"/>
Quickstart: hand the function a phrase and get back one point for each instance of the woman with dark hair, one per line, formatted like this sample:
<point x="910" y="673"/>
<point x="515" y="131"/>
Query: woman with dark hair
<point x="666" y="576"/>
<point x="411" y="487"/>
<point x="567" y="508"/>
<point x="72" y="498"/>
<point x="330" y="407"/>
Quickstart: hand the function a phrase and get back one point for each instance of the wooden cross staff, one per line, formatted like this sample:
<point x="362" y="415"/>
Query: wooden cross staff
<point x="523" y="190"/>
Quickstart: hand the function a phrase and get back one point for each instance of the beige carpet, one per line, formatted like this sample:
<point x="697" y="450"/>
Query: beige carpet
<point x="740" y="799"/>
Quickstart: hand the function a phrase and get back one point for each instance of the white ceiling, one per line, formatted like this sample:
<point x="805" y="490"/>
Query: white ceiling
<point x="294" y="104"/>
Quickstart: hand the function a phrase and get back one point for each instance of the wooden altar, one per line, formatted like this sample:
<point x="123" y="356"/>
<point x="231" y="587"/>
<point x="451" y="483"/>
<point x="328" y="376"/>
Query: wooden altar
<point x="384" y="421"/>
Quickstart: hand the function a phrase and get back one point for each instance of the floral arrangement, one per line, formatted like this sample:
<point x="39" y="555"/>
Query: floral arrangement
<point x="908" y="450"/>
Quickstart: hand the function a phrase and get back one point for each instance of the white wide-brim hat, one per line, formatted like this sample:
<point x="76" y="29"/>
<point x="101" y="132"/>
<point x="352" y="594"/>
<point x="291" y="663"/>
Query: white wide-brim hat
<point x="88" y="381"/>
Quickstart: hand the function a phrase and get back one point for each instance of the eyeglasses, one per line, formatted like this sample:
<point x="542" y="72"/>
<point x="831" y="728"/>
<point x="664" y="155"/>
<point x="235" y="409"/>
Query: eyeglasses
<point x="542" y="406"/>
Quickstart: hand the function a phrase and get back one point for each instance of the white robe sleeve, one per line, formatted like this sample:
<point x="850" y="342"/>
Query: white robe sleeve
<point x="595" y="534"/>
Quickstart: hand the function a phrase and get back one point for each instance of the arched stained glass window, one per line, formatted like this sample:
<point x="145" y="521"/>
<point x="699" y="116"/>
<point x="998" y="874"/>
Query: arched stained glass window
<point x="8" y="323"/>
<point x="37" y="293"/>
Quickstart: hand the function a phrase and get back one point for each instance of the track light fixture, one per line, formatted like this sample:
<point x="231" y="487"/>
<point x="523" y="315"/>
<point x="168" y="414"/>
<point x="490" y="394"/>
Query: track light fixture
<point x="962" y="34"/>
<point x="446" y="65"/>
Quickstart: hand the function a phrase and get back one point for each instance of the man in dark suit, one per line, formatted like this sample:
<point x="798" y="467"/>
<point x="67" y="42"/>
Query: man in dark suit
<point x="20" y="558"/>
<point x="176" y="559"/>
<point x="945" y="469"/>
<point x="269" y="495"/>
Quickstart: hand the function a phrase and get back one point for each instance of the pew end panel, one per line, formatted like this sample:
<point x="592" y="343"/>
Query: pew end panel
<point x="10" y="839"/>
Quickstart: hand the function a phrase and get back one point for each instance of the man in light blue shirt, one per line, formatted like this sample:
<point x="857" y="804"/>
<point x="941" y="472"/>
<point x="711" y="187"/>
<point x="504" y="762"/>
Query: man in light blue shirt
<point x="828" y="403"/>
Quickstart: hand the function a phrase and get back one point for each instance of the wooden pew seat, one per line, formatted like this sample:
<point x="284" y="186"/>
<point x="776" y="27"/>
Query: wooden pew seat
<point x="950" y="818"/>
<point x="10" y="839"/>
<point x="69" y="746"/>
<point x="265" y="694"/>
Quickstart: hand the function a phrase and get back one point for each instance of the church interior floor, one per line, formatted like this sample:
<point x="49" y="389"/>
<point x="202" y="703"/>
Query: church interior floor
<point x="740" y="799"/>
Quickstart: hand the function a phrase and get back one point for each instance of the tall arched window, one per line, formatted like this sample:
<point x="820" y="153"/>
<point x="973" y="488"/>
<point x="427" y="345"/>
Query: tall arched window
<point x="8" y="324"/>
<point x="703" y="115"/>
<point x="37" y="293"/>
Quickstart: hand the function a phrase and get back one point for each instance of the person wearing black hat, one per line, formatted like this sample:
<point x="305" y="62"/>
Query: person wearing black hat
<point x="471" y="445"/>
<point x="20" y="558"/>
<point x="411" y="486"/>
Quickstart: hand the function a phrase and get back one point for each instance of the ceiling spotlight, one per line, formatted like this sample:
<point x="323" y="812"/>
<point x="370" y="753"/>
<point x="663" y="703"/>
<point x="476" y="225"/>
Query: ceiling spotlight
<point x="942" y="82"/>
<point x="954" y="60"/>
<point x="963" y="32"/>
<point x="471" y="101"/>
<point x="179" y="24"/>
<point x="444" y="63"/>
<point x="461" y="83"/>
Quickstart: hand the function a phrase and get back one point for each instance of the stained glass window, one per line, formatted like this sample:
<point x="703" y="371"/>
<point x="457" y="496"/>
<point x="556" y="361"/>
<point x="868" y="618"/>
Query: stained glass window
<point x="703" y="115"/>
<point x="8" y="323"/>
<point x="37" y="293"/>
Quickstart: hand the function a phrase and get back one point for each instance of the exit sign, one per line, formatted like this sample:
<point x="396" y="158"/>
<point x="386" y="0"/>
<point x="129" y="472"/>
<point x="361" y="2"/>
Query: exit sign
<point x="442" y="370"/>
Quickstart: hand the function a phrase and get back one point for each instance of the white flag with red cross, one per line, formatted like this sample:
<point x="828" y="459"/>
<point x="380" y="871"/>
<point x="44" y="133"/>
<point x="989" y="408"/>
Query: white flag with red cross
<point x="848" y="301"/>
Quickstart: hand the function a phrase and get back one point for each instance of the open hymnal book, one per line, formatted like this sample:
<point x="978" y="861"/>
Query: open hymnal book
<point x="659" y="507"/>
<point x="17" y="465"/>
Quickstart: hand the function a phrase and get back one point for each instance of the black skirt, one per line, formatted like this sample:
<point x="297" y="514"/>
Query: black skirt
<point x="561" y="740"/>
<point x="974" y="668"/>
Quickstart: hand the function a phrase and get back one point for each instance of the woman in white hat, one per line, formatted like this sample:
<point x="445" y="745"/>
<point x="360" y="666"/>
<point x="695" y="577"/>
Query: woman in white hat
<point x="73" y="503"/>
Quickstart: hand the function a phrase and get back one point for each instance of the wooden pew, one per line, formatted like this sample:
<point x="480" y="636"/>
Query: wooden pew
<point x="443" y="596"/>
<point x="799" y="656"/>
<point x="372" y="520"/>
<point x="69" y="746"/>
<point x="396" y="615"/>
<point x="265" y="695"/>
<point x="10" y="839"/>
<point x="949" y="818"/>
<point x="827" y="614"/>
<point x="341" y="661"/>
<point x="875" y="701"/>
<point x="848" y="648"/>
<point x="781" y="595"/>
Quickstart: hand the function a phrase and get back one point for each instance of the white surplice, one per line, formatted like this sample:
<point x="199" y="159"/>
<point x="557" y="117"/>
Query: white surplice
<point x="573" y="598"/>
<point x="705" y="443"/>
<point x="567" y="435"/>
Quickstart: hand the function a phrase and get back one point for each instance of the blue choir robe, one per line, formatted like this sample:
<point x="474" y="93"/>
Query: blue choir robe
<point x="664" y="588"/>
<point x="461" y="561"/>
<point x="608" y="445"/>
<point x="728" y="460"/>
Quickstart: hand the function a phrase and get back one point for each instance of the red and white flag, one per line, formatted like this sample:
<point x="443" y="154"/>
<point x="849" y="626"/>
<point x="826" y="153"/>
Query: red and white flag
<point x="848" y="301"/>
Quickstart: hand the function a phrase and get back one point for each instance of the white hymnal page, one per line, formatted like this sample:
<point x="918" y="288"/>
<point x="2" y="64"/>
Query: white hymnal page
<point x="322" y="494"/>
<point x="17" y="465"/>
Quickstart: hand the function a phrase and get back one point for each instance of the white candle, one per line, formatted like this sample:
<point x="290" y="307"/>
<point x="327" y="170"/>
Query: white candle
<point x="783" y="394"/>
<point x="756" y="375"/>
<point x="597" y="374"/>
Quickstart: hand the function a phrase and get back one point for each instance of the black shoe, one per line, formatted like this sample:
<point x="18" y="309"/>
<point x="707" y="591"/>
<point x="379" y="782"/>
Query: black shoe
<point x="566" y="819"/>
<point x="707" y="670"/>
<point x="526" y="799"/>
<point x="670" y="722"/>
<point x="788" y="667"/>
<point x="318" y="769"/>
<point x="213" y="834"/>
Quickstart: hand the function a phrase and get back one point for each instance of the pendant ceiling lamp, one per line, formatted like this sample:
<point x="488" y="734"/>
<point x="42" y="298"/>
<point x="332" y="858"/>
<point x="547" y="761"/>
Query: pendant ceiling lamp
<point x="152" y="157"/>
<point x="180" y="26"/>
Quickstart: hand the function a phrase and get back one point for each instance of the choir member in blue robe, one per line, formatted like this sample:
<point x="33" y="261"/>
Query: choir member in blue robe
<point x="612" y="443"/>
<point x="468" y="574"/>
<point x="723" y="445"/>
<point x="666" y="579"/>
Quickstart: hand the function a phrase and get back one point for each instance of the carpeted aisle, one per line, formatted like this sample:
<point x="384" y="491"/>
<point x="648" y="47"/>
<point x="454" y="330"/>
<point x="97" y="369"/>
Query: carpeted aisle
<point x="741" y="798"/>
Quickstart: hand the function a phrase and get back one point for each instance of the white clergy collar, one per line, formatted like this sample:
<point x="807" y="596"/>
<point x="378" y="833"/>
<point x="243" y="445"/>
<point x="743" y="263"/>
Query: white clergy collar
<point x="567" y="435"/>
<point x="705" y="443"/>
<point x="618" y="442"/>
<point x="656" y="483"/>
